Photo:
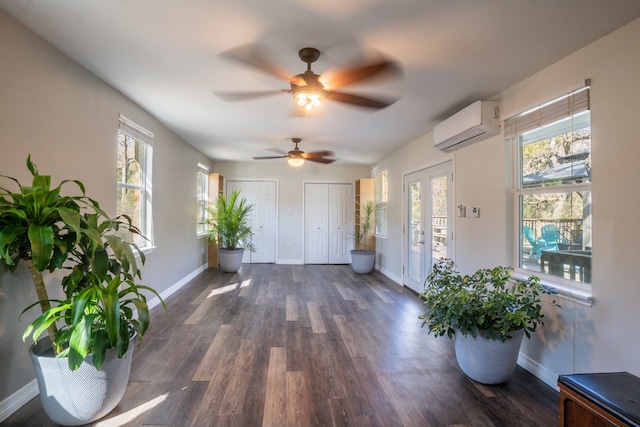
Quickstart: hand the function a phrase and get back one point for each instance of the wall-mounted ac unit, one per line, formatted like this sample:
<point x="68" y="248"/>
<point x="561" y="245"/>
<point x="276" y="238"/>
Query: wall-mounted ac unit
<point x="480" y="120"/>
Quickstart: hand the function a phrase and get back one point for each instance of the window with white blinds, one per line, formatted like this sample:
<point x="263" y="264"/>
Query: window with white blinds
<point x="382" y="197"/>
<point x="552" y="145"/>
<point x="202" y="192"/>
<point x="134" y="172"/>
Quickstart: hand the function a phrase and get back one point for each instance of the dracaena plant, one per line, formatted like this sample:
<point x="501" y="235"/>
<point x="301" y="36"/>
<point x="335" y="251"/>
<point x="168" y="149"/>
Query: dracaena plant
<point x="50" y="231"/>
<point x="488" y="301"/>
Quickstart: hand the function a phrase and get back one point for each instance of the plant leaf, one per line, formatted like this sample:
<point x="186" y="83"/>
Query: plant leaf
<point x="41" y="238"/>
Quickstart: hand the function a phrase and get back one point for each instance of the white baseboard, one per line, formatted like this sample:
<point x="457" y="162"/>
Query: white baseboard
<point x="390" y="275"/>
<point x="18" y="399"/>
<point x="176" y="287"/>
<point x="539" y="371"/>
<point x="290" y="262"/>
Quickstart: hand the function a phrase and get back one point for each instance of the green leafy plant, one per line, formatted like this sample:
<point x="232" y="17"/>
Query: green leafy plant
<point x="362" y="232"/>
<point x="228" y="222"/>
<point x="51" y="232"/>
<point x="488" y="301"/>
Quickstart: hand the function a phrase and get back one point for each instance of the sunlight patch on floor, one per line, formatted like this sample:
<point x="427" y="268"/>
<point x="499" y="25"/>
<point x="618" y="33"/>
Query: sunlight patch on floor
<point x="129" y="416"/>
<point x="245" y="283"/>
<point x="222" y="290"/>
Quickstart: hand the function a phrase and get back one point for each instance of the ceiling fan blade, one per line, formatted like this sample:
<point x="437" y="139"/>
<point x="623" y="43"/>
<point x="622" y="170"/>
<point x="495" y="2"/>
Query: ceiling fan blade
<point x="349" y="76"/>
<point x="360" y="101"/>
<point x="253" y="56"/>
<point x="243" y="96"/>
<point x="270" y="157"/>
<point x="321" y="160"/>
<point x="316" y="155"/>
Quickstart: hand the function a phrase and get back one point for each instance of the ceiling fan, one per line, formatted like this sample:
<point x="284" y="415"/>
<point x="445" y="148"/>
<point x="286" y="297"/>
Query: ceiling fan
<point x="309" y="88"/>
<point x="296" y="157"/>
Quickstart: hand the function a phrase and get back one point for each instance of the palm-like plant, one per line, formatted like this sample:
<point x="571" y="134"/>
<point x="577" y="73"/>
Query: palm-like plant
<point x="49" y="232"/>
<point x="362" y="232"/>
<point x="228" y="222"/>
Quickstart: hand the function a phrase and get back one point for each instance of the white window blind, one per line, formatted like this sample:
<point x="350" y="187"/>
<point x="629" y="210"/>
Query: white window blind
<point x="382" y="197"/>
<point x="545" y="114"/>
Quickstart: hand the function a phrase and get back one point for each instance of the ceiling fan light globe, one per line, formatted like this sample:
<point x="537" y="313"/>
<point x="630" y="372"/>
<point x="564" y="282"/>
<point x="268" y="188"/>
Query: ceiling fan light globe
<point x="295" y="161"/>
<point x="308" y="99"/>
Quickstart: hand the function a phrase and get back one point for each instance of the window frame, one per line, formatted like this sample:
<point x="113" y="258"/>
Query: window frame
<point x="202" y="198"/>
<point x="381" y="180"/>
<point x="569" y="289"/>
<point x="143" y="137"/>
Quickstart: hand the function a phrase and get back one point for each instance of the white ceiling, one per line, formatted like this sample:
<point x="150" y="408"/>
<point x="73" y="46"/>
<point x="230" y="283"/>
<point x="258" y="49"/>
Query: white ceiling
<point x="165" y="55"/>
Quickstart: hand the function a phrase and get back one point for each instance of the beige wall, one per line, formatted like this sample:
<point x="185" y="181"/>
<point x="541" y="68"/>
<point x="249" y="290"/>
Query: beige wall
<point x="67" y="119"/>
<point x="576" y="338"/>
<point x="290" y="183"/>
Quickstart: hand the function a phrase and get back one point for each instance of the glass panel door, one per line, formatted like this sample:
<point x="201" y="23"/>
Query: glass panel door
<point x="429" y="232"/>
<point x="416" y="233"/>
<point x="439" y="234"/>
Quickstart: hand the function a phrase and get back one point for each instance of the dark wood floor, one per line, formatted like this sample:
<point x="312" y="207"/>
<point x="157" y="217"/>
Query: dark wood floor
<point x="279" y="346"/>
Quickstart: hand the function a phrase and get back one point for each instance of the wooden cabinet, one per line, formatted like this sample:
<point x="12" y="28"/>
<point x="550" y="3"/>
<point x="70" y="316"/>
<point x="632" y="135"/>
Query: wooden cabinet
<point x="365" y="192"/>
<point x="599" y="400"/>
<point x="216" y="187"/>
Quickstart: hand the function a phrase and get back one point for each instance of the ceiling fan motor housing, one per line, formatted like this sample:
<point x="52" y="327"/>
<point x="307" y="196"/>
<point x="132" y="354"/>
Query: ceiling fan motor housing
<point x="309" y="55"/>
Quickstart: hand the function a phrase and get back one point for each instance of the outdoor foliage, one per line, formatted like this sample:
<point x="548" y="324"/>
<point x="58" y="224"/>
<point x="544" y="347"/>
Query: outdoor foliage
<point x="546" y="154"/>
<point x="482" y="302"/>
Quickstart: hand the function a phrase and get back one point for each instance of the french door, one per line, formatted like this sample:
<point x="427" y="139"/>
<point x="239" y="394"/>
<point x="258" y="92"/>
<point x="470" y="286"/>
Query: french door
<point x="428" y="224"/>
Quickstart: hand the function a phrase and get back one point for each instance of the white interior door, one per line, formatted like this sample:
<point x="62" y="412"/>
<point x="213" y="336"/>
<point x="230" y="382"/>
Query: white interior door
<point x="428" y="228"/>
<point x="262" y="195"/>
<point x="340" y="222"/>
<point x="328" y="221"/>
<point x="316" y="219"/>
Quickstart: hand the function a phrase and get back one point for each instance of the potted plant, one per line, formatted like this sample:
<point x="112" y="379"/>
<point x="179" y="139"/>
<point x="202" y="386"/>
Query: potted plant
<point x="487" y="312"/>
<point x="82" y="367"/>
<point x="229" y="226"/>
<point x="362" y="257"/>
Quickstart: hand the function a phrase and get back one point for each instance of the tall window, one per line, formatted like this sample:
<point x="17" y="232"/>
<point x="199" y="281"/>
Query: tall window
<point x="202" y="191"/>
<point x="135" y="151"/>
<point x="382" y="198"/>
<point x="553" y="187"/>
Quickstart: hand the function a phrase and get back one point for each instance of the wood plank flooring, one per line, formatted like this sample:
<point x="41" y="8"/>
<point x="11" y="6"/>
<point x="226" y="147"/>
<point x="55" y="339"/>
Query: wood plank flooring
<point x="315" y="345"/>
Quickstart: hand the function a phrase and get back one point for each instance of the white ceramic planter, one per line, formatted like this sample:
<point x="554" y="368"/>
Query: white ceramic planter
<point x="230" y="260"/>
<point x="488" y="361"/>
<point x="73" y="398"/>
<point x="363" y="262"/>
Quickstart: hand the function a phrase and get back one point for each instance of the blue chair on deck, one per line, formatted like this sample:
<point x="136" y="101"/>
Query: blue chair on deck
<point x="539" y="244"/>
<point x="550" y="234"/>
